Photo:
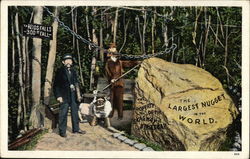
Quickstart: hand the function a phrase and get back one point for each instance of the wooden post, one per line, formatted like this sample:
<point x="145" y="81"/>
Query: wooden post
<point x="37" y="117"/>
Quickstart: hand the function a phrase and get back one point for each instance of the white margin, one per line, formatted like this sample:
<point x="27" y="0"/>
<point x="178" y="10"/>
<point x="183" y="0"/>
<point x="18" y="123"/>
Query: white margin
<point x="123" y="154"/>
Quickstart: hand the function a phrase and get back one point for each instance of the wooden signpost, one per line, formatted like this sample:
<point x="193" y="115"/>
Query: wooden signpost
<point x="38" y="31"/>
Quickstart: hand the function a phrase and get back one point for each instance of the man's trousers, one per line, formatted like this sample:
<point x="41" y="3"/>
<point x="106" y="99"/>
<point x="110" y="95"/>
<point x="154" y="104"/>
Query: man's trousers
<point x="63" y="113"/>
<point x="116" y="98"/>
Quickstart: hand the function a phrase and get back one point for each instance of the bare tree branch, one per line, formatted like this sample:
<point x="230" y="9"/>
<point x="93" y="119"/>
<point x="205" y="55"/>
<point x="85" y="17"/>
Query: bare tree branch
<point x="72" y="9"/>
<point x="125" y="31"/>
<point x="239" y="66"/>
<point x="228" y="75"/>
<point x="216" y="36"/>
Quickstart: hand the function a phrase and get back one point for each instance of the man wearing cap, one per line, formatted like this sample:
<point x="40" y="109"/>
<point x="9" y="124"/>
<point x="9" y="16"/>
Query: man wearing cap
<point x="66" y="91"/>
<point x="114" y="69"/>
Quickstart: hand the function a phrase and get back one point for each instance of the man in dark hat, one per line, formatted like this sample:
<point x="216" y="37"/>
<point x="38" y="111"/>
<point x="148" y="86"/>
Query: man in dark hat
<point x="67" y="92"/>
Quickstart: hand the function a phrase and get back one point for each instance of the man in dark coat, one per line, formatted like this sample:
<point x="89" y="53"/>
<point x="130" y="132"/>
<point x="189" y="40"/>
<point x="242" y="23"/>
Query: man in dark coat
<point x="114" y="69"/>
<point x="66" y="91"/>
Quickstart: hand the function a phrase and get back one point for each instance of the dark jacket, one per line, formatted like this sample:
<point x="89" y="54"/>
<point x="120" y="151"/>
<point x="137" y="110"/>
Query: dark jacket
<point x="62" y="84"/>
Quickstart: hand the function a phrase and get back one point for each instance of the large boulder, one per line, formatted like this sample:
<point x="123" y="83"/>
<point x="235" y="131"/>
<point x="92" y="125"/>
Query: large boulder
<point x="181" y="107"/>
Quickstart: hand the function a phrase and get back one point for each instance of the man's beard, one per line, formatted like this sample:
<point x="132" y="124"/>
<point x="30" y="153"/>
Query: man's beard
<point x="114" y="58"/>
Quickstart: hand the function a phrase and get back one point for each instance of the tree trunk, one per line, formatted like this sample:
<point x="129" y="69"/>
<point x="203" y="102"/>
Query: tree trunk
<point x="194" y="34"/>
<point x="101" y="39"/>
<point x="125" y="30"/>
<point x="13" y="49"/>
<point x="87" y="26"/>
<point x="115" y="25"/>
<point x="183" y="54"/>
<point x="144" y="30"/>
<point x="178" y="47"/>
<point x="24" y="87"/>
<point x="73" y="28"/>
<point x="19" y="112"/>
<point x="21" y="103"/>
<point x="77" y="49"/>
<point x="27" y="82"/>
<point x="37" y="117"/>
<point x="196" y="24"/>
<point x="226" y="45"/>
<point x="92" y="69"/>
<point x="217" y="30"/>
<point x="28" y="85"/>
<point x="165" y="30"/>
<point x="49" y="72"/>
<point x="139" y="31"/>
<point x="199" y="52"/>
<point x="94" y="40"/>
<point x="221" y="26"/>
<point x="205" y="42"/>
<point x="172" y="57"/>
<point x="94" y="37"/>
<point x="51" y="61"/>
<point x="24" y="59"/>
<point x="153" y="31"/>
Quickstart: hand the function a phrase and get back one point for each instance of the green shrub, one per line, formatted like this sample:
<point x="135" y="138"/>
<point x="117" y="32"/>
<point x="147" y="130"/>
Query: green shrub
<point x="31" y="144"/>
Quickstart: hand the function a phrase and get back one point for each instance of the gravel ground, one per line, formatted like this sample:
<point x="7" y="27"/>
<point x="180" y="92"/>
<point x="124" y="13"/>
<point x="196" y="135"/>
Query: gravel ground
<point x="97" y="138"/>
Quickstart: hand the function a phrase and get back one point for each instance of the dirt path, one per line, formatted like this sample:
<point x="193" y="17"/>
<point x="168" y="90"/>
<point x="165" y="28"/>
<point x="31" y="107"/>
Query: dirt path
<point x="97" y="138"/>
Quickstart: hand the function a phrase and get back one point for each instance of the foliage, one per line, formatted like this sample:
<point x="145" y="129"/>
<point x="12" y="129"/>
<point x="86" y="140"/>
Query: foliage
<point x="128" y="105"/>
<point x="227" y="144"/>
<point x="31" y="144"/>
<point x="230" y="136"/>
<point x="154" y="146"/>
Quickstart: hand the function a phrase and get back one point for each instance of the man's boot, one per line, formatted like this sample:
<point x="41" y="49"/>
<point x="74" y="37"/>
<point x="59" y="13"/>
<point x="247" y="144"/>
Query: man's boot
<point x="93" y="122"/>
<point x="107" y="122"/>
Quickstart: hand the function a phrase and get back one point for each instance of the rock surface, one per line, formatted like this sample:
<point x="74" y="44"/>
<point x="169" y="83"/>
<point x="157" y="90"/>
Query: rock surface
<point x="122" y="138"/>
<point x="147" y="149"/>
<point x="140" y="146"/>
<point x="181" y="107"/>
<point x="130" y="142"/>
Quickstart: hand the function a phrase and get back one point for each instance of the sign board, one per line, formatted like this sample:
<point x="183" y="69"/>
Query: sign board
<point x="38" y="31"/>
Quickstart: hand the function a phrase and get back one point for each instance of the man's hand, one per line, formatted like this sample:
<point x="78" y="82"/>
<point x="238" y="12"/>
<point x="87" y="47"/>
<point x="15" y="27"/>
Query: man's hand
<point x="59" y="99"/>
<point x="94" y="100"/>
<point x="113" y="80"/>
<point x="79" y="99"/>
<point x="95" y="92"/>
<point x="139" y="62"/>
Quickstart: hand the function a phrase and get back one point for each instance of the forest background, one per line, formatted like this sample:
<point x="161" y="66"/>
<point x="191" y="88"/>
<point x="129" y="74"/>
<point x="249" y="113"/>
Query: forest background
<point x="207" y="37"/>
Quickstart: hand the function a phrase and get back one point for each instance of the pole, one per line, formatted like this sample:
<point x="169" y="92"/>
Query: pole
<point x="121" y="76"/>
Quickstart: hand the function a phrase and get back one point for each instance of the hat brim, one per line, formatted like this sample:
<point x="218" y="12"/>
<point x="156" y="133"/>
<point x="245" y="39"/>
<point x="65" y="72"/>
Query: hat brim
<point x="68" y="58"/>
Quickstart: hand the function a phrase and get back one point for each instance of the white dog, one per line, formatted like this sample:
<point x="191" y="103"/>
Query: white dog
<point x="84" y="110"/>
<point x="99" y="107"/>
